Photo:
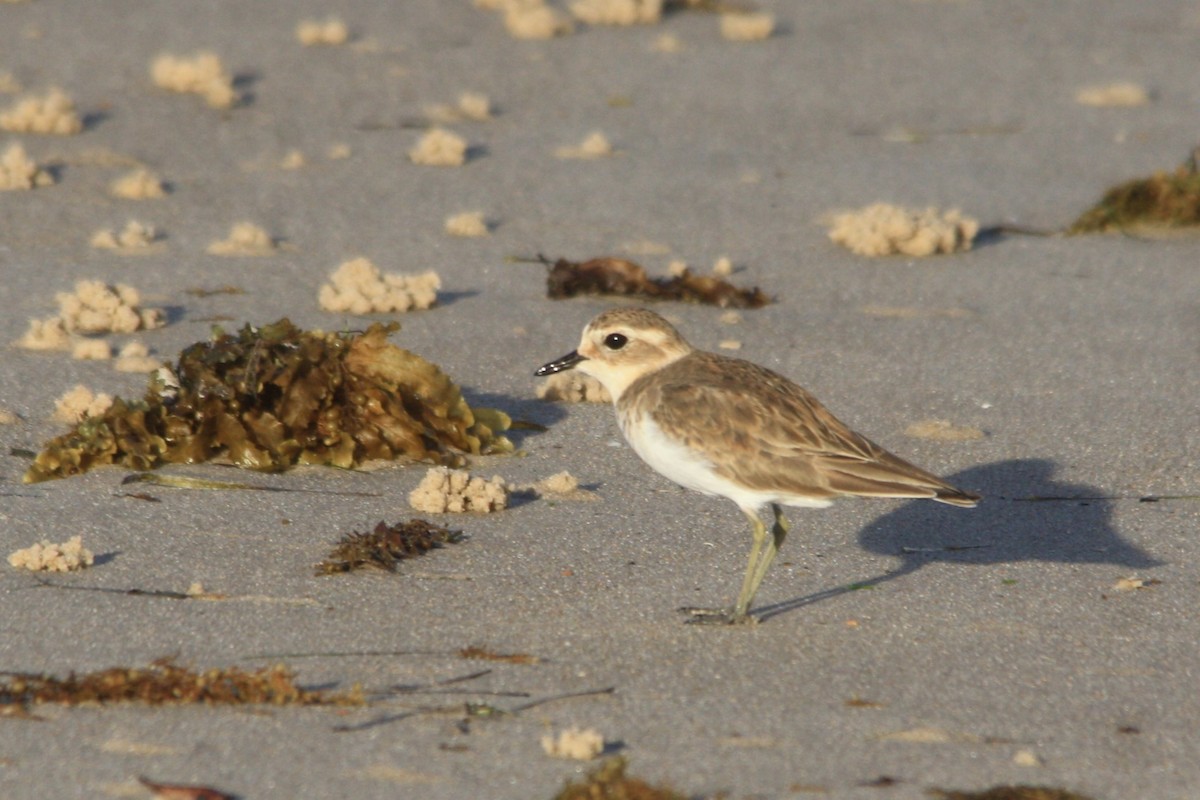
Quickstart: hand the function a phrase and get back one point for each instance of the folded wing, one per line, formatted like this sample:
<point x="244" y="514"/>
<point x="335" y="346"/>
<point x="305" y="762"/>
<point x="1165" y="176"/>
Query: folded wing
<point x="801" y="447"/>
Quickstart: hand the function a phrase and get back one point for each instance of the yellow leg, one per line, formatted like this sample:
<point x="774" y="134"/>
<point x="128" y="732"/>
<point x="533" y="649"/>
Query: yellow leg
<point x="762" y="553"/>
<point x="752" y="577"/>
<point x="725" y="616"/>
<point x="779" y="532"/>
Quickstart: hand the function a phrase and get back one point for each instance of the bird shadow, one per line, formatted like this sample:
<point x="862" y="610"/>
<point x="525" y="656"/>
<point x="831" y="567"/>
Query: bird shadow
<point x="1025" y="515"/>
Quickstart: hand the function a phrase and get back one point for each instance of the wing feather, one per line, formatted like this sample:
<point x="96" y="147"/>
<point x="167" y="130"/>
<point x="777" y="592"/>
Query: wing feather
<point x="760" y="430"/>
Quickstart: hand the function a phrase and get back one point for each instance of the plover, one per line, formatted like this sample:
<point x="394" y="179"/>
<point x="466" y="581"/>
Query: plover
<point x="724" y="426"/>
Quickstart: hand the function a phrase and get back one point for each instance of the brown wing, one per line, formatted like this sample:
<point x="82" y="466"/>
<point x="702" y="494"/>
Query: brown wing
<point x="735" y="408"/>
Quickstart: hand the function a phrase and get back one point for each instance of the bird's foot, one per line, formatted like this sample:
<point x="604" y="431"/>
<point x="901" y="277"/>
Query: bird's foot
<point x="716" y="616"/>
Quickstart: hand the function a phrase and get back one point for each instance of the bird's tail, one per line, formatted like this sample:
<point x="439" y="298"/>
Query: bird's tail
<point x="957" y="497"/>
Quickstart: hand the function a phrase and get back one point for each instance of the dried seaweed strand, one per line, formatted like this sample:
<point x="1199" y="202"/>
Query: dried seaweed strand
<point x="166" y="683"/>
<point x="1019" y="792"/>
<point x="487" y="654"/>
<point x="386" y="546"/>
<point x="184" y="482"/>
<point x="472" y="710"/>
<point x="616" y="276"/>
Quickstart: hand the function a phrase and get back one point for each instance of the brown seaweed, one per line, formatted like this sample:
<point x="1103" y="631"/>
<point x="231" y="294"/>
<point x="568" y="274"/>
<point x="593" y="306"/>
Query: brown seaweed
<point x="183" y="791"/>
<point x="166" y="683"/>
<point x="1164" y="200"/>
<point x="1009" y="793"/>
<point x="609" y="782"/>
<point x="616" y="276"/>
<point x="274" y="396"/>
<point x="386" y="546"/>
<point x="480" y="653"/>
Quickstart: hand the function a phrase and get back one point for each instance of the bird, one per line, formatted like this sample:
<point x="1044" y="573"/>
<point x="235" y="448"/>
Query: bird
<point x="731" y="428"/>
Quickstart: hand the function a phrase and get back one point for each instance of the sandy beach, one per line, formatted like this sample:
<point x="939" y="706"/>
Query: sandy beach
<point x="1047" y="637"/>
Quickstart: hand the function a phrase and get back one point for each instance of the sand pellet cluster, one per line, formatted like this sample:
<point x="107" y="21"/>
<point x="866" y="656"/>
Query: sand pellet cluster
<point x="594" y="145"/>
<point x="244" y="239"/>
<point x="581" y="744"/>
<point x="135" y="357"/>
<point x="439" y="148"/>
<point x="133" y="238"/>
<point x="331" y="31"/>
<point x="1122" y="94"/>
<point x="91" y="350"/>
<point x="747" y="26"/>
<point x="202" y="74"/>
<point x="96" y="307"/>
<point x="46" y="556"/>
<point x="18" y="171"/>
<point x="141" y="184"/>
<point x="559" y="486"/>
<point x="882" y="229"/>
<point x="473" y="106"/>
<point x="293" y="159"/>
<point x="45" y="334"/>
<point x="559" y="483"/>
<point x="667" y="43"/>
<point x="530" y="19"/>
<point x="358" y="287"/>
<point x="93" y="307"/>
<point x="536" y="19"/>
<point x="617" y="12"/>
<point x="573" y="387"/>
<point x="80" y="402"/>
<point x="447" y="491"/>
<point x="467" y="224"/>
<point x="53" y="112"/>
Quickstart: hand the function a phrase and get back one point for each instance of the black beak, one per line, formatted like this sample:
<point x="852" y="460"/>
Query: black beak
<point x="559" y="364"/>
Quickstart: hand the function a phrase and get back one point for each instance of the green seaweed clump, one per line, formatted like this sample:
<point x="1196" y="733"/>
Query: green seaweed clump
<point x="1164" y="200"/>
<point x="386" y="546"/>
<point x="166" y="683"/>
<point x="271" y="397"/>
<point x="609" y="782"/>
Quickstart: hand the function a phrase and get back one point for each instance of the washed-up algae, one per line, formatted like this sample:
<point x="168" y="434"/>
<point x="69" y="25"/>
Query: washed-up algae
<point x="271" y="397"/>
<point x="386" y="546"/>
<point x="609" y="782"/>
<point x="480" y="653"/>
<point x="1009" y="793"/>
<point x="1164" y="200"/>
<point x="616" y="276"/>
<point x="164" y="682"/>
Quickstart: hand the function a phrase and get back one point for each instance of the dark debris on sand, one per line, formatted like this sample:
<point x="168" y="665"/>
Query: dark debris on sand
<point x="166" y="683"/>
<point x="1009" y="793"/>
<point x="616" y="276"/>
<point x="609" y="782"/>
<point x="386" y="546"/>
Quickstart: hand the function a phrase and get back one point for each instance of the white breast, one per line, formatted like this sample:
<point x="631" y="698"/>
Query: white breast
<point x="672" y="459"/>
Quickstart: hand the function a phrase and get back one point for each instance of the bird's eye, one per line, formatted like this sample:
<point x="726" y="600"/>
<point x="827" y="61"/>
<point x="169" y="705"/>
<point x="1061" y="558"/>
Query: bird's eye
<point x="615" y="341"/>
